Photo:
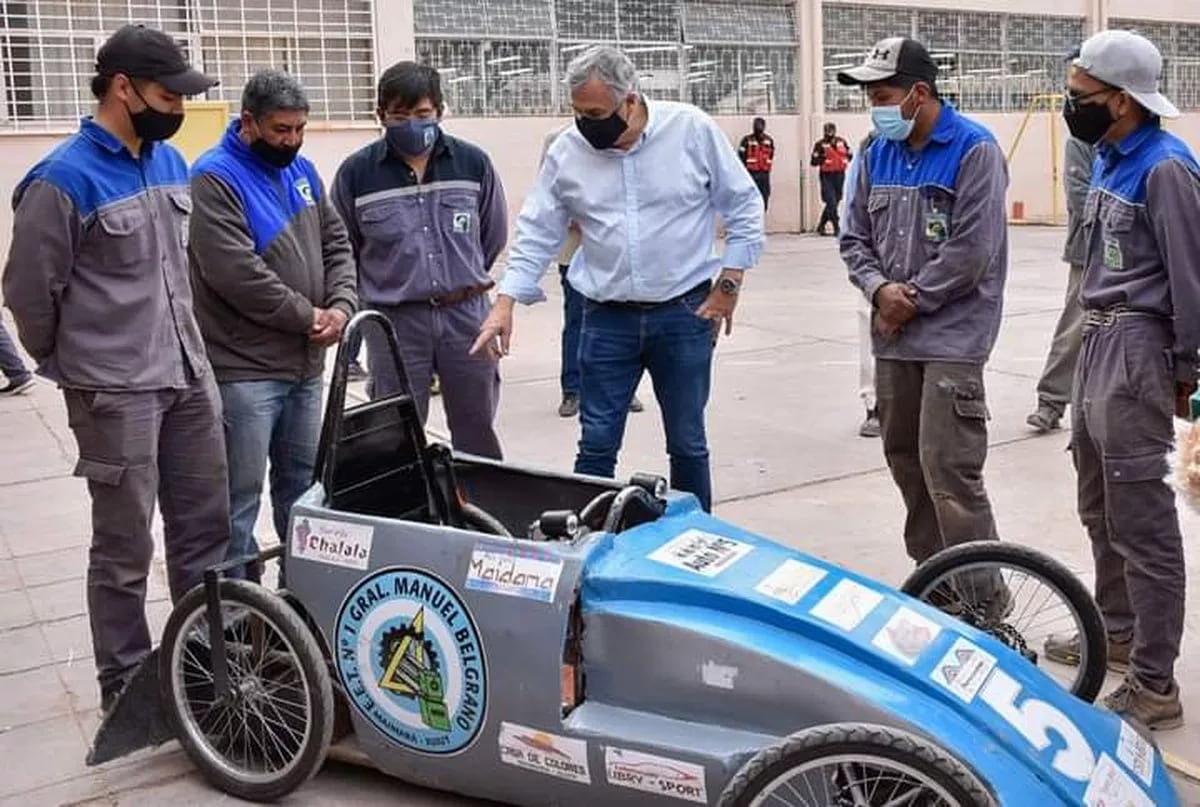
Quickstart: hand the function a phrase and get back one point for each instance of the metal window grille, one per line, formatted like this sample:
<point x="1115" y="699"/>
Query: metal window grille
<point x="48" y="48"/>
<point x="1179" y="44"/>
<point x="988" y="62"/>
<point x="509" y="57"/>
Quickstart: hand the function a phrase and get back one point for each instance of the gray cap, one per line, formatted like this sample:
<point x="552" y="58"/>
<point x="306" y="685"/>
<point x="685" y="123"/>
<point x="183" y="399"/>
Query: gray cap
<point x="1129" y="62"/>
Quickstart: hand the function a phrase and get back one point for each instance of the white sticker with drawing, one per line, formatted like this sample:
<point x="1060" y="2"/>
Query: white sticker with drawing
<point x="964" y="669"/>
<point x="1112" y="787"/>
<point x="334" y="542"/>
<point x="790" y="581"/>
<point x="1136" y="753"/>
<point x="542" y="752"/>
<point x="652" y="774"/>
<point x="847" y="605"/>
<point x="906" y="635"/>
<point x="701" y="552"/>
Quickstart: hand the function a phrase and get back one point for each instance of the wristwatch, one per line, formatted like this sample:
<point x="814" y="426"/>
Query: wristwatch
<point x="727" y="285"/>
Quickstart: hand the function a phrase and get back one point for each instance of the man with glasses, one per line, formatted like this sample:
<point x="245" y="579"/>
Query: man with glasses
<point x="1138" y="365"/>
<point x="427" y="219"/>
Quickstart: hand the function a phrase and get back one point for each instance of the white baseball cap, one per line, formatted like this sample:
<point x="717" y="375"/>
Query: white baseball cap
<point x="1129" y="62"/>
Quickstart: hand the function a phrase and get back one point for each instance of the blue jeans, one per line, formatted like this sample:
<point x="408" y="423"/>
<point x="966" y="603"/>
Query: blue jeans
<point x="675" y="346"/>
<point x="11" y="365"/>
<point x="572" y="324"/>
<point x="276" y="420"/>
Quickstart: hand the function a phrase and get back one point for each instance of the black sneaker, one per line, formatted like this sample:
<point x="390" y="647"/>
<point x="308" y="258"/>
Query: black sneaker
<point x="18" y="386"/>
<point x="1045" y="419"/>
<point x="356" y="372"/>
<point x="569" y="407"/>
<point x="870" y="427"/>
<point x="636" y="405"/>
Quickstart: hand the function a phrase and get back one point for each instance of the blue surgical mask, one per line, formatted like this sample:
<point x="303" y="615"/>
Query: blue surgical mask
<point x="890" y="122"/>
<point x="412" y="137"/>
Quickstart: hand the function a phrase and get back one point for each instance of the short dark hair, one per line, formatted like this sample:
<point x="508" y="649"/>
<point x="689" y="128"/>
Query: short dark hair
<point x="273" y="90"/>
<point x="757" y="121"/>
<point x="100" y="85"/>
<point x="409" y="82"/>
<point x="906" y="82"/>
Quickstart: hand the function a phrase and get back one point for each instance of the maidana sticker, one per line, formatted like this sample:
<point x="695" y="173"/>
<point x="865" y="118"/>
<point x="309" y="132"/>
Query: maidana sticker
<point x="790" y="581"/>
<point x="335" y="542"/>
<point x="1112" y="787"/>
<point x="514" y="574"/>
<point x="646" y="772"/>
<point x="701" y="552"/>
<point x="1136" y="753"/>
<point x="541" y="752"/>
<point x="411" y="660"/>
<point x="847" y="604"/>
<point x="906" y="635"/>
<point x="964" y="669"/>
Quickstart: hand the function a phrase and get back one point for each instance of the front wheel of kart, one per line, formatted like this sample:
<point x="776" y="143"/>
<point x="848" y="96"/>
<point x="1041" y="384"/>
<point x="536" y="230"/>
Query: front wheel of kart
<point x="272" y="730"/>
<point x="855" y="765"/>
<point x="1027" y="600"/>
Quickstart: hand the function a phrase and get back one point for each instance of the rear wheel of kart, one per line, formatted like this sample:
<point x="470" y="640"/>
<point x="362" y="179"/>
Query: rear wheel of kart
<point x="854" y="765"/>
<point x="271" y="732"/>
<point x="1027" y="600"/>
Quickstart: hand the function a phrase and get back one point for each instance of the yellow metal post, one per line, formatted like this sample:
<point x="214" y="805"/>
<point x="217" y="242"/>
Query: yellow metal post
<point x="204" y="123"/>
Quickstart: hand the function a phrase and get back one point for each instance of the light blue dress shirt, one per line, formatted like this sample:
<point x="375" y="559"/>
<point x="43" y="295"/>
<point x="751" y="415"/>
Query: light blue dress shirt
<point x="648" y="215"/>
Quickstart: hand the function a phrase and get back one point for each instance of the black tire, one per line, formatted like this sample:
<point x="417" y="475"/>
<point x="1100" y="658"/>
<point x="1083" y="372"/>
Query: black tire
<point x="1093" y="636"/>
<point x="871" y="743"/>
<point x="313" y="681"/>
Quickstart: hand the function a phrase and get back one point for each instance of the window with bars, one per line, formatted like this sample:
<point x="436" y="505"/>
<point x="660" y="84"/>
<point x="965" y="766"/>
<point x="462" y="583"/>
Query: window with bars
<point x="48" y="47"/>
<point x="988" y="62"/>
<point x="1179" y="44"/>
<point x="725" y="57"/>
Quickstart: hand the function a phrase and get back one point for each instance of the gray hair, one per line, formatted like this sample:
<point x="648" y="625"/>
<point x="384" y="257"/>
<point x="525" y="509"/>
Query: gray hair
<point x="273" y="90"/>
<point x="606" y="63"/>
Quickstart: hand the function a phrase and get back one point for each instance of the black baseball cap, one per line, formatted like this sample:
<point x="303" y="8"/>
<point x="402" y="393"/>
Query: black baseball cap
<point x="147" y="53"/>
<point x="895" y="56"/>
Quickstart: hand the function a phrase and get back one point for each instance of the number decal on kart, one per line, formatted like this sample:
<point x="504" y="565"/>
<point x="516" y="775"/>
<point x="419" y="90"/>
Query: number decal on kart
<point x="1035" y="720"/>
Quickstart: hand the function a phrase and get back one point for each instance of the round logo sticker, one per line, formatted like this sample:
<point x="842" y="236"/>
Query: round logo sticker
<point x="411" y="659"/>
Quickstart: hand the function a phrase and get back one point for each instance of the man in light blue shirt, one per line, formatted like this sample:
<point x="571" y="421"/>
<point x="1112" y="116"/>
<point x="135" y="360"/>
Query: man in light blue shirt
<point x="645" y="180"/>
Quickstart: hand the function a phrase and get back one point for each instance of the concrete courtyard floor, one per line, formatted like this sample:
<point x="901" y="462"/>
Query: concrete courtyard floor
<point x="787" y="462"/>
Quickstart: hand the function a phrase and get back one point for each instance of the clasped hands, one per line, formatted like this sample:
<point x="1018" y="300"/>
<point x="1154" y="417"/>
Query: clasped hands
<point x="895" y="305"/>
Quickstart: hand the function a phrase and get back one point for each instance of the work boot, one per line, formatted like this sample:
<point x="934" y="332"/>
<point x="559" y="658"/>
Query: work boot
<point x="569" y="407"/>
<point x="870" y="427"/>
<point x="1046" y="419"/>
<point x="1134" y="700"/>
<point x="17" y="387"/>
<point x="1065" y="650"/>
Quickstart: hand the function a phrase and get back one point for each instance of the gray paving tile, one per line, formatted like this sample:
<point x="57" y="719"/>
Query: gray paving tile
<point x="85" y="789"/>
<point x="54" y="566"/>
<point x="22" y="649"/>
<point x="10" y="579"/>
<point x="54" y="535"/>
<point x="69" y="640"/>
<point x="57" y="601"/>
<point x="15" y="610"/>
<point x="31" y="697"/>
<point x="41" y="754"/>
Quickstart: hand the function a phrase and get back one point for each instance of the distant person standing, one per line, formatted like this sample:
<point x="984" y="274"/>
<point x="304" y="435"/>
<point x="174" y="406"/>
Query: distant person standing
<point x="832" y="156"/>
<point x="757" y="151"/>
<point x="866" y="362"/>
<point x="568" y="407"/>
<point x="1054" y="387"/>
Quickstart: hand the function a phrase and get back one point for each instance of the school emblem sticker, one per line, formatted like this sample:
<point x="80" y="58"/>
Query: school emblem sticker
<point x="411" y="659"/>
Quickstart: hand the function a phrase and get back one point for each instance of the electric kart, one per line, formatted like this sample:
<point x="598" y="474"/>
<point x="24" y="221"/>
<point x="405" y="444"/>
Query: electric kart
<point x="550" y="639"/>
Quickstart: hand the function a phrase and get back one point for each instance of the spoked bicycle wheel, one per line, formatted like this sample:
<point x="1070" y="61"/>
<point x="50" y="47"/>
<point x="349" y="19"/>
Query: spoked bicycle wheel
<point x="270" y="732"/>
<point x="1027" y="600"/>
<point x="854" y="765"/>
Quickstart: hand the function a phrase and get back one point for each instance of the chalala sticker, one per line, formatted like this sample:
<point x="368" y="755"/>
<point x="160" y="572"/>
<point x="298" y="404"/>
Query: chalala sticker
<point x="412" y="661"/>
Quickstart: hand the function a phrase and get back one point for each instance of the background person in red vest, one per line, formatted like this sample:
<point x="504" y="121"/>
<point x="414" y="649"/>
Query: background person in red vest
<point x="757" y="151"/>
<point x="832" y="155"/>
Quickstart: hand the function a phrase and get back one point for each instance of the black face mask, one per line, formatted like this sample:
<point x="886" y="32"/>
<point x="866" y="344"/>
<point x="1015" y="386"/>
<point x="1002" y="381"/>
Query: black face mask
<point x="1087" y="122"/>
<point x="150" y="124"/>
<point x="277" y="156"/>
<point x="602" y="133"/>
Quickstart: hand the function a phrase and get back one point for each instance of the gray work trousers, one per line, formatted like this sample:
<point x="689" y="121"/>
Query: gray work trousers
<point x="1058" y="376"/>
<point x="933" y="416"/>
<point x="434" y="339"/>
<point x="1121" y="432"/>
<point x="134" y="448"/>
